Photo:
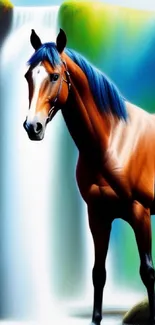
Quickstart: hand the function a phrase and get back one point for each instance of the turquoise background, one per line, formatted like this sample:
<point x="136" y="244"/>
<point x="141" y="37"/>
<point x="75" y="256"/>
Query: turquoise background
<point x="137" y="4"/>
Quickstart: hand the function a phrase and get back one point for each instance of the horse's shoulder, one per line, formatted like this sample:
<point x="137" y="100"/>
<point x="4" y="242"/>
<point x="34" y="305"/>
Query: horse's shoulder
<point x="134" y="135"/>
<point x="137" y="113"/>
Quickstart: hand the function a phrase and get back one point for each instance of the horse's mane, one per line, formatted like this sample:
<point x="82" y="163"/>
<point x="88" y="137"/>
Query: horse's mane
<point x="105" y="93"/>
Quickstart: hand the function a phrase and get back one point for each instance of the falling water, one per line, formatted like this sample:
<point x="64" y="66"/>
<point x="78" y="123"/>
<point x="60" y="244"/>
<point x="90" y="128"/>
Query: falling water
<point x="44" y="222"/>
<point x="25" y="272"/>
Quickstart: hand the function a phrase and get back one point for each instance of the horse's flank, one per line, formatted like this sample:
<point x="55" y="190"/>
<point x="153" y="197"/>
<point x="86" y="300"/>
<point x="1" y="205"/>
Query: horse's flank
<point x="134" y="146"/>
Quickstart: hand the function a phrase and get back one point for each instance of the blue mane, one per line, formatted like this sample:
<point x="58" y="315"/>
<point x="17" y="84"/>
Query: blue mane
<point x="47" y="51"/>
<point x="105" y="93"/>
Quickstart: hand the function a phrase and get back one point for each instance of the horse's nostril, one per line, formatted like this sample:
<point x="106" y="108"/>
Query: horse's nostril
<point x="38" y="127"/>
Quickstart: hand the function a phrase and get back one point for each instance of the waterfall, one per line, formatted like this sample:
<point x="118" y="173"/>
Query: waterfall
<point x="43" y="223"/>
<point x="25" y="263"/>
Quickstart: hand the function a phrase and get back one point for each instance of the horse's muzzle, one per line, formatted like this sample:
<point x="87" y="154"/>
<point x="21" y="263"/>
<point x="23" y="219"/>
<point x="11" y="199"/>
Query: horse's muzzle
<point x="35" y="130"/>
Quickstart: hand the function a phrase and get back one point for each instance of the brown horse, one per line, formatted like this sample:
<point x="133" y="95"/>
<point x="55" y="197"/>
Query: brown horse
<point x="116" y="143"/>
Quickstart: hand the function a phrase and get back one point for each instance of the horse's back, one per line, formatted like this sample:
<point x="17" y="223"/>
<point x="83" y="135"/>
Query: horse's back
<point x="134" y="135"/>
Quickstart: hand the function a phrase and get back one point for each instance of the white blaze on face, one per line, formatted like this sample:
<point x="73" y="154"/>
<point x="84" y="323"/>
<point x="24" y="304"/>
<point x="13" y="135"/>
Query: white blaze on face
<point x="39" y="74"/>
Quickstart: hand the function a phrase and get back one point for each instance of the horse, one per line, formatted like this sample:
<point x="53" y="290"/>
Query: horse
<point x="116" y="145"/>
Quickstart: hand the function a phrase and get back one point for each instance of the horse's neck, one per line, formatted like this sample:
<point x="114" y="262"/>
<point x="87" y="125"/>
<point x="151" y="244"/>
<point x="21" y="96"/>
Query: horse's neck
<point x="81" y="113"/>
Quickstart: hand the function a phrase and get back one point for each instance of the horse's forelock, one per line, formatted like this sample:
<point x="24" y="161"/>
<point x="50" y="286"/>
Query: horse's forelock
<point x="47" y="51"/>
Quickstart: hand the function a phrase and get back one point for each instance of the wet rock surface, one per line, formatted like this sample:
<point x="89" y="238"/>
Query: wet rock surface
<point x="6" y="13"/>
<point x="138" y="315"/>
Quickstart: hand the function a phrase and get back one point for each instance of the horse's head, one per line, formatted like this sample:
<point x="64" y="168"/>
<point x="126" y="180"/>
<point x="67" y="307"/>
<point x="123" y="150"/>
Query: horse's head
<point x="48" y="83"/>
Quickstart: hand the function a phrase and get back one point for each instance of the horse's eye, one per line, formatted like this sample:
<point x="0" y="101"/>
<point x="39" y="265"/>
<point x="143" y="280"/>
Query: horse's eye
<point x="54" y="77"/>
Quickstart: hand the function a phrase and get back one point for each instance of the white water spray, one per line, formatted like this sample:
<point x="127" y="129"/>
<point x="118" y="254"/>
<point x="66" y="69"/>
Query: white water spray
<point x="26" y="165"/>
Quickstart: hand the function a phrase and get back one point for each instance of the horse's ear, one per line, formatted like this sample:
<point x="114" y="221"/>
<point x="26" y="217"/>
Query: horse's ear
<point x="35" y="40"/>
<point x="61" y="41"/>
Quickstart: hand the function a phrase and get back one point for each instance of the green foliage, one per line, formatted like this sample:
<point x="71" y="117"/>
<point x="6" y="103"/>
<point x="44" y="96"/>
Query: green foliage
<point x="6" y="4"/>
<point x="6" y="10"/>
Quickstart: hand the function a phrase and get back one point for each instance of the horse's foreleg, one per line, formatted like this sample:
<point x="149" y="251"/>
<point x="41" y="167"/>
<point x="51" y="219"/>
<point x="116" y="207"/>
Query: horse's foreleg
<point x="142" y="228"/>
<point x="101" y="234"/>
